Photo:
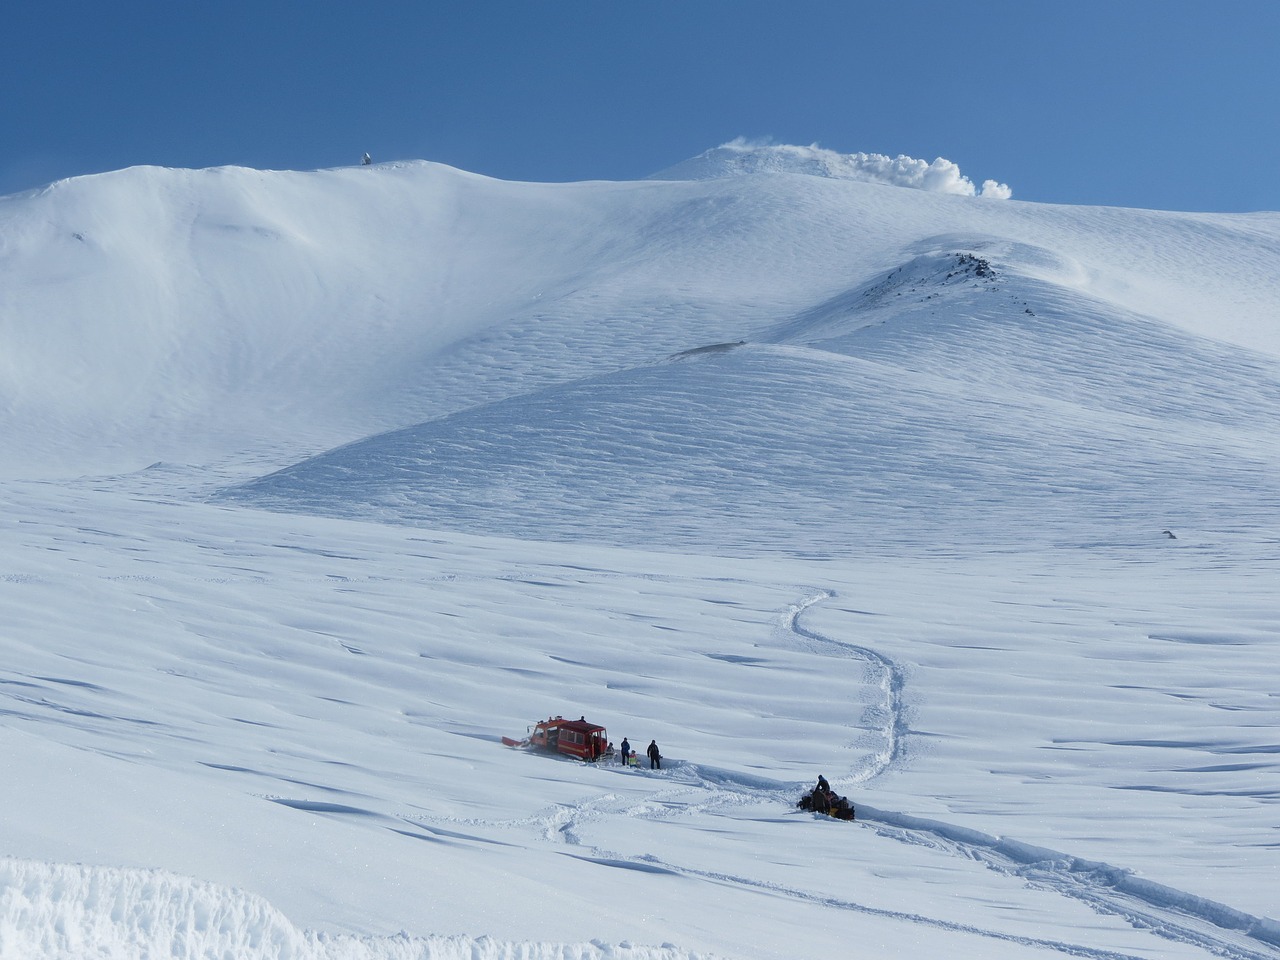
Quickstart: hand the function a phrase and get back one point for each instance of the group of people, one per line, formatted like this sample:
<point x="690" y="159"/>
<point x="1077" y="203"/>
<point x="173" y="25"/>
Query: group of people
<point x="628" y="756"/>
<point x="822" y="799"/>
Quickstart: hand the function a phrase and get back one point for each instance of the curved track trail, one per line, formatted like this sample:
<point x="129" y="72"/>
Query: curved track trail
<point x="684" y="791"/>
<point x="888" y="718"/>
<point x="1172" y="914"/>
<point x="694" y="789"/>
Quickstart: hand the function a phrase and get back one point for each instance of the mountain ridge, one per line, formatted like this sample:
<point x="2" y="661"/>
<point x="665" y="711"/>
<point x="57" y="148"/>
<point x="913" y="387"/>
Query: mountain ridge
<point x="230" y="314"/>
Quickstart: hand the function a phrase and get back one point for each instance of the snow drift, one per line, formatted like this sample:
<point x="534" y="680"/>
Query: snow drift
<point x="69" y="912"/>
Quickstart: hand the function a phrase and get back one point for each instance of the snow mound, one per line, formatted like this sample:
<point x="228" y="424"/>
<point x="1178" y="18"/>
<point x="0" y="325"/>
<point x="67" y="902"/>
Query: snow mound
<point x="915" y="395"/>
<point x="60" y="910"/>
<point x="741" y="156"/>
<point x="230" y="314"/>
<point x="57" y="911"/>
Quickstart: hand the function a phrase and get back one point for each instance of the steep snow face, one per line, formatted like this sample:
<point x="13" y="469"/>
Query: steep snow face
<point x="740" y="157"/>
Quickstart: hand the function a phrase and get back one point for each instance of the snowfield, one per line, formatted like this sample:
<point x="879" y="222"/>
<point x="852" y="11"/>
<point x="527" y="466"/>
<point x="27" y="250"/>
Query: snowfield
<point x="316" y="485"/>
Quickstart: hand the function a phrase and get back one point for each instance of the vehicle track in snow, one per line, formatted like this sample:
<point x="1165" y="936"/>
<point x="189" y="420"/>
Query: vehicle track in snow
<point x="888" y="717"/>
<point x="1068" y="949"/>
<point x="693" y="789"/>
<point x="1165" y="911"/>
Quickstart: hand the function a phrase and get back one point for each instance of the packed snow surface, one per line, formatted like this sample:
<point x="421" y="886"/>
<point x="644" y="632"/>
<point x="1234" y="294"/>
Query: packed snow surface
<point x="317" y="485"/>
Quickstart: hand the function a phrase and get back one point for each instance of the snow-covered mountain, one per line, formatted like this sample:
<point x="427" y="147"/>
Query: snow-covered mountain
<point x="318" y="484"/>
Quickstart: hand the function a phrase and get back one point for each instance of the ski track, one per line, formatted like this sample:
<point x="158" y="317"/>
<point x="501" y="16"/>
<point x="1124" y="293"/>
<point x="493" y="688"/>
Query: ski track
<point x="1174" y="915"/>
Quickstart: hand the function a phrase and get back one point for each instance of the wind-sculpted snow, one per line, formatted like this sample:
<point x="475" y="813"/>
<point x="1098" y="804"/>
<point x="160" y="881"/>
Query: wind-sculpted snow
<point x="67" y="911"/>
<point x="1174" y="914"/>
<point x="324" y="692"/>
<point x="999" y="410"/>
<point x="72" y="912"/>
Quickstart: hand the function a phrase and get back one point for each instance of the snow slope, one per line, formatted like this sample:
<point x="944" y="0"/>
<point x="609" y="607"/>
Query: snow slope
<point x="180" y="315"/>
<point x="318" y="484"/>
<point x="998" y="411"/>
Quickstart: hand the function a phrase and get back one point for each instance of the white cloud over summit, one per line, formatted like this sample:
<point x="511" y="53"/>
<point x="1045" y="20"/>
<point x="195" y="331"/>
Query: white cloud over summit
<point x="743" y="156"/>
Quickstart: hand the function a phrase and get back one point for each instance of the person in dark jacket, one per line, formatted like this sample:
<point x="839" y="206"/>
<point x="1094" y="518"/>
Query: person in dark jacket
<point x="655" y="758"/>
<point x="821" y="800"/>
<point x="626" y="751"/>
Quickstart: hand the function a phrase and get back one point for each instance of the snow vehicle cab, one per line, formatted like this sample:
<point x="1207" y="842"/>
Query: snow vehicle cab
<point x="574" y="738"/>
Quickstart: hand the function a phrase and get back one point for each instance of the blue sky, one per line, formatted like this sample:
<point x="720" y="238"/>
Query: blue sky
<point x="1168" y="104"/>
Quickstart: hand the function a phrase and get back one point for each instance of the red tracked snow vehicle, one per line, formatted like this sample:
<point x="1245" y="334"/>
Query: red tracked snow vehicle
<point x="573" y="738"/>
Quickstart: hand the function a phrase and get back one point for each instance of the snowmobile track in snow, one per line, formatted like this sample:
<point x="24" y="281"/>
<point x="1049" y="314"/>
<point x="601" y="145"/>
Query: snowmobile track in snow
<point x="692" y="789"/>
<point x="1165" y="912"/>
<point x="890" y="717"/>
<point x="1172" y="914"/>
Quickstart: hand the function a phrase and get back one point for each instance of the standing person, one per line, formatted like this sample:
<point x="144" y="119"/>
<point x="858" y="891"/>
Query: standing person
<point x="626" y="751"/>
<point x="821" y="800"/>
<point x="655" y="758"/>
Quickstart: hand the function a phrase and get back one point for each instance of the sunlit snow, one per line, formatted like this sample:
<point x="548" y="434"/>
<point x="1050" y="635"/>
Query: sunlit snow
<point x="317" y="485"/>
